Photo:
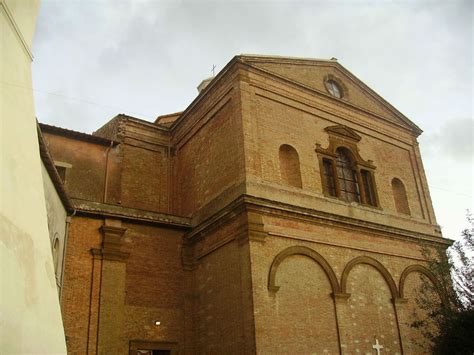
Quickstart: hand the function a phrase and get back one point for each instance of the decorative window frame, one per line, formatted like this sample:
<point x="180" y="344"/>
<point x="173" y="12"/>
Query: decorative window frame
<point x="340" y="83"/>
<point x="341" y="136"/>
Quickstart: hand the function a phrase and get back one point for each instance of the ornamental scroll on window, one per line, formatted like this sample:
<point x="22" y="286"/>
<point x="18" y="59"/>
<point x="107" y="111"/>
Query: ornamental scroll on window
<point x="344" y="174"/>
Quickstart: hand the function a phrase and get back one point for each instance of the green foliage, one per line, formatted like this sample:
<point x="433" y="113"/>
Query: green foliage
<point x="449" y="325"/>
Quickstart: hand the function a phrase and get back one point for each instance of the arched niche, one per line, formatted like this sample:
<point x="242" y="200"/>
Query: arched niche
<point x="424" y="271"/>
<point x="374" y="263"/>
<point x="310" y="253"/>
<point x="400" y="196"/>
<point x="290" y="166"/>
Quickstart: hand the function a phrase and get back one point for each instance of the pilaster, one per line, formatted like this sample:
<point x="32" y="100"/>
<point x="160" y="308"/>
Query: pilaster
<point x="111" y="312"/>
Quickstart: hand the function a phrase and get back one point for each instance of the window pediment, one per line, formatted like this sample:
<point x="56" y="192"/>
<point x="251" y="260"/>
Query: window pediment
<point x="344" y="132"/>
<point x="341" y="136"/>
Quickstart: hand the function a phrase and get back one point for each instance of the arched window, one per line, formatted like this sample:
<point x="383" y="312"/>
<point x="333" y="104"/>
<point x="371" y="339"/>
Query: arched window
<point x="346" y="176"/>
<point x="290" y="166"/>
<point x="344" y="173"/>
<point x="400" y="196"/>
<point x="344" y="179"/>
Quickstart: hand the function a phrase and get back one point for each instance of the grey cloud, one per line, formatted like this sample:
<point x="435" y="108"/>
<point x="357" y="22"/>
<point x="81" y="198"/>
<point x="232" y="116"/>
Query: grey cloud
<point x="453" y="140"/>
<point x="150" y="55"/>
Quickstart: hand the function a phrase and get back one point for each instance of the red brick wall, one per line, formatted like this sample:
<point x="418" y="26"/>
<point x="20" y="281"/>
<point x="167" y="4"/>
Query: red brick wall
<point x="368" y="313"/>
<point x="218" y="309"/>
<point x="302" y="309"/>
<point x="85" y="180"/>
<point x="209" y="159"/>
<point x="80" y="295"/>
<point x="155" y="285"/>
<point x="300" y="317"/>
<point x="145" y="177"/>
<point x="154" y="271"/>
<point x="223" y="311"/>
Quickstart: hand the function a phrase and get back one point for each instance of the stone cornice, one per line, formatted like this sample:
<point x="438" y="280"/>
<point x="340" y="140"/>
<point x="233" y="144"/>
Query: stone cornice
<point x="260" y="205"/>
<point x="106" y="210"/>
<point x="250" y="203"/>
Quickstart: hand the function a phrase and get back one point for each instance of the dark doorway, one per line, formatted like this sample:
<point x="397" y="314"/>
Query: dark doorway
<point x="161" y="352"/>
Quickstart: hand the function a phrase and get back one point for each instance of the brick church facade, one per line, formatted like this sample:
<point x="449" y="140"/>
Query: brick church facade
<point x="281" y="212"/>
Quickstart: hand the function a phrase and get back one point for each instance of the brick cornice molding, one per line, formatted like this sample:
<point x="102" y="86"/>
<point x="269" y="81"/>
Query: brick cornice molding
<point x="281" y="209"/>
<point x="325" y="218"/>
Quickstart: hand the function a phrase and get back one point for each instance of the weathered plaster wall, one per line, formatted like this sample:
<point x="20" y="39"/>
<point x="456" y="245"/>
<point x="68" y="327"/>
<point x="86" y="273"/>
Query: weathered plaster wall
<point x="56" y="225"/>
<point x="29" y="298"/>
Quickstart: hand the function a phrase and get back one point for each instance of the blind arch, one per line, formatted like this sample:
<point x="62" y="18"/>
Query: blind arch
<point x="400" y="196"/>
<point x="290" y="166"/>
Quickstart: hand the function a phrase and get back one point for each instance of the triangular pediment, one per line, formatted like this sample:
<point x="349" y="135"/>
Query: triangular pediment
<point x="343" y="131"/>
<point x="314" y="73"/>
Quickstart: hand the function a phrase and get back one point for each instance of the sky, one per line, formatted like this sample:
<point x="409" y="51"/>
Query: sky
<point x="95" y="59"/>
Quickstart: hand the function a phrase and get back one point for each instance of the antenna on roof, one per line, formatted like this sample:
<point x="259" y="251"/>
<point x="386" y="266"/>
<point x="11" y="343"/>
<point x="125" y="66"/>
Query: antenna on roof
<point x="334" y="58"/>
<point x="213" y="70"/>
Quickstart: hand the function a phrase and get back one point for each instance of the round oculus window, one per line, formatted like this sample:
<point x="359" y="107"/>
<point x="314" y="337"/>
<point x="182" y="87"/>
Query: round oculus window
<point x="333" y="88"/>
